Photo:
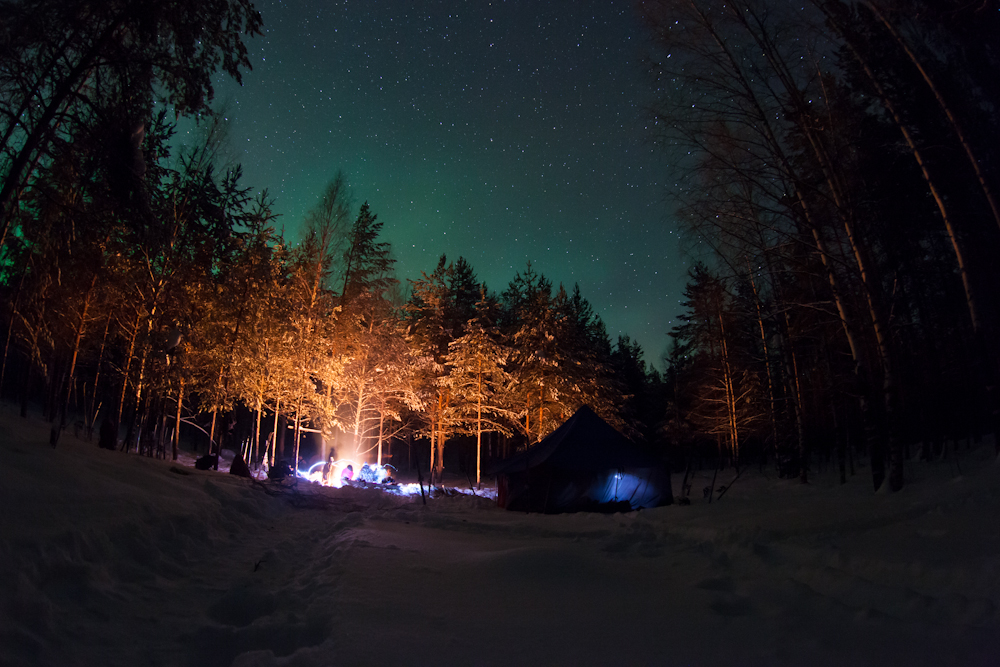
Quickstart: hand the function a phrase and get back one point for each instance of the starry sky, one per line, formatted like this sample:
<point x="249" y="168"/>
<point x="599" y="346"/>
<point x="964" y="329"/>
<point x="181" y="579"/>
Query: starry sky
<point x="504" y="132"/>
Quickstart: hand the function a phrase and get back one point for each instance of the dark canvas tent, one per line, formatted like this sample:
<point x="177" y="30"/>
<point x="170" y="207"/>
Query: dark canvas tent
<point x="585" y="464"/>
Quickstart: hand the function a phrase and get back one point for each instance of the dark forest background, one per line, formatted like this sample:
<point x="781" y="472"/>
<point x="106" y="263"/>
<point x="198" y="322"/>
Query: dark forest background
<point x="837" y="172"/>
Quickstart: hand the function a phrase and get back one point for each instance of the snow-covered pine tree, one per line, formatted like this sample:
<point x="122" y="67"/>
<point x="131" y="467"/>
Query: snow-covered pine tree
<point x="478" y="381"/>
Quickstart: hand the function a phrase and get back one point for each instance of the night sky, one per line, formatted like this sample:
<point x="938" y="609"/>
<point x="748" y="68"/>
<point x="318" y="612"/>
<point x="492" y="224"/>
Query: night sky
<point x="504" y="132"/>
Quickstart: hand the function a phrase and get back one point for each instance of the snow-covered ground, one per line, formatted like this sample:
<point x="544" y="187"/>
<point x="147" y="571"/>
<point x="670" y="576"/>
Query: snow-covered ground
<point x="111" y="559"/>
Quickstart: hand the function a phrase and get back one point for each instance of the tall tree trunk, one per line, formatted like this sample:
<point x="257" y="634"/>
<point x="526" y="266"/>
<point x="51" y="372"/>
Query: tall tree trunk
<point x="924" y="171"/>
<point x="274" y="445"/>
<point x="177" y="421"/>
<point x="889" y="389"/>
<point x="440" y="439"/>
<point x="161" y="431"/>
<point x="841" y="443"/>
<point x="358" y="414"/>
<point x="381" y="422"/>
<point x="81" y="328"/>
<point x="772" y="409"/>
<point x="527" y="420"/>
<point x="729" y="384"/>
<point x="799" y="426"/>
<point x="298" y="433"/>
<point x="52" y="387"/>
<point x="776" y="147"/>
<point x="10" y="325"/>
<point x="6" y="348"/>
<point x="256" y="428"/>
<point x="130" y="355"/>
<point x="479" y="420"/>
<point x="25" y="387"/>
<point x="952" y="119"/>
<point x="430" y="466"/>
<point x="541" y="407"/>
<point x="211" y="437"/>
<point x="92" y="408"/>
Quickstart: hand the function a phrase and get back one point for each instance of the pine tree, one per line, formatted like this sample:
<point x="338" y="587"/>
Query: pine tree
<point x="367" y="261"/>
<point x="159" y="49"/>
<point x="429" y="331"/>
<point x="560" y="356"/>
<point x="724" y="384"/>
<point x="478" y="381"/>
<point x="369" y="352"/>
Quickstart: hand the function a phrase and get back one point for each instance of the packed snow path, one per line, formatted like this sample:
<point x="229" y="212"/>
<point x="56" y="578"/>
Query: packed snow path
<point x="113" y="559"/>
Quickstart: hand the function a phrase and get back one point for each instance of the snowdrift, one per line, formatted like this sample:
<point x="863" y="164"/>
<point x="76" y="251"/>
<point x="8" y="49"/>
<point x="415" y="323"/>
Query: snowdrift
<point x="113" y="559"/>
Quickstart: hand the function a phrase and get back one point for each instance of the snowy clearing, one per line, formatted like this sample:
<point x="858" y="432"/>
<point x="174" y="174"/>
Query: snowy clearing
<point x="113" y="559"/>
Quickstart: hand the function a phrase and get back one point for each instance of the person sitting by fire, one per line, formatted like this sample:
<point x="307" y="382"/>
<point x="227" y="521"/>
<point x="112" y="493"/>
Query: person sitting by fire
<point x="328" y="469"/>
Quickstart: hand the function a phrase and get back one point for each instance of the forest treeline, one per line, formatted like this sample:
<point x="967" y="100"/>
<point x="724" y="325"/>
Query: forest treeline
<point x="837" y="168"/>
<point x="841" y="166"/>
<point x="144" y="285"/>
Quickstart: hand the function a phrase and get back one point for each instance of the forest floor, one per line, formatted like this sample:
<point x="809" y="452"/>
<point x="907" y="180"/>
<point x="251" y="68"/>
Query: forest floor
<point x="114" y="559"/>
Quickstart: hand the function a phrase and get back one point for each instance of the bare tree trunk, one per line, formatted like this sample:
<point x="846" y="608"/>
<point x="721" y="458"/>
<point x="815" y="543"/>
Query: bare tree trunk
<point x="767" y="357"/>
<point x="161" y="431"/>
<point x="841" y="444"/>
<point x="256" y="429"/>
<point x="91" y="410"/>
<point x="177" y="421"/>
<point x="358" y="414"/>
<point x="211" y="439"/>
<point x="430" y="466"/>
<point x="274" y="445"/>
<point x="439" y="460"/>
<point x="775" y="146"/>
<point x="128" y="366"/>
<point x="799" y="428"/>
<point x="889" y="389"/>
<point x="925" y="172"/>
<point x="81" y="327"/>
<point x="10" y="325"/>
<point x="52" y="387"/>
<point x="25" y="388"/>
<point x="298" y="433"/>
<point x="381" y="421"/>
<point x="527" y="420"/>
<point x="952" y="119"/>
<point x="728" y="382"/>
<point x="479" y="421"/>
<point x="541" y="407"/>
<point x="6" y="348"/>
